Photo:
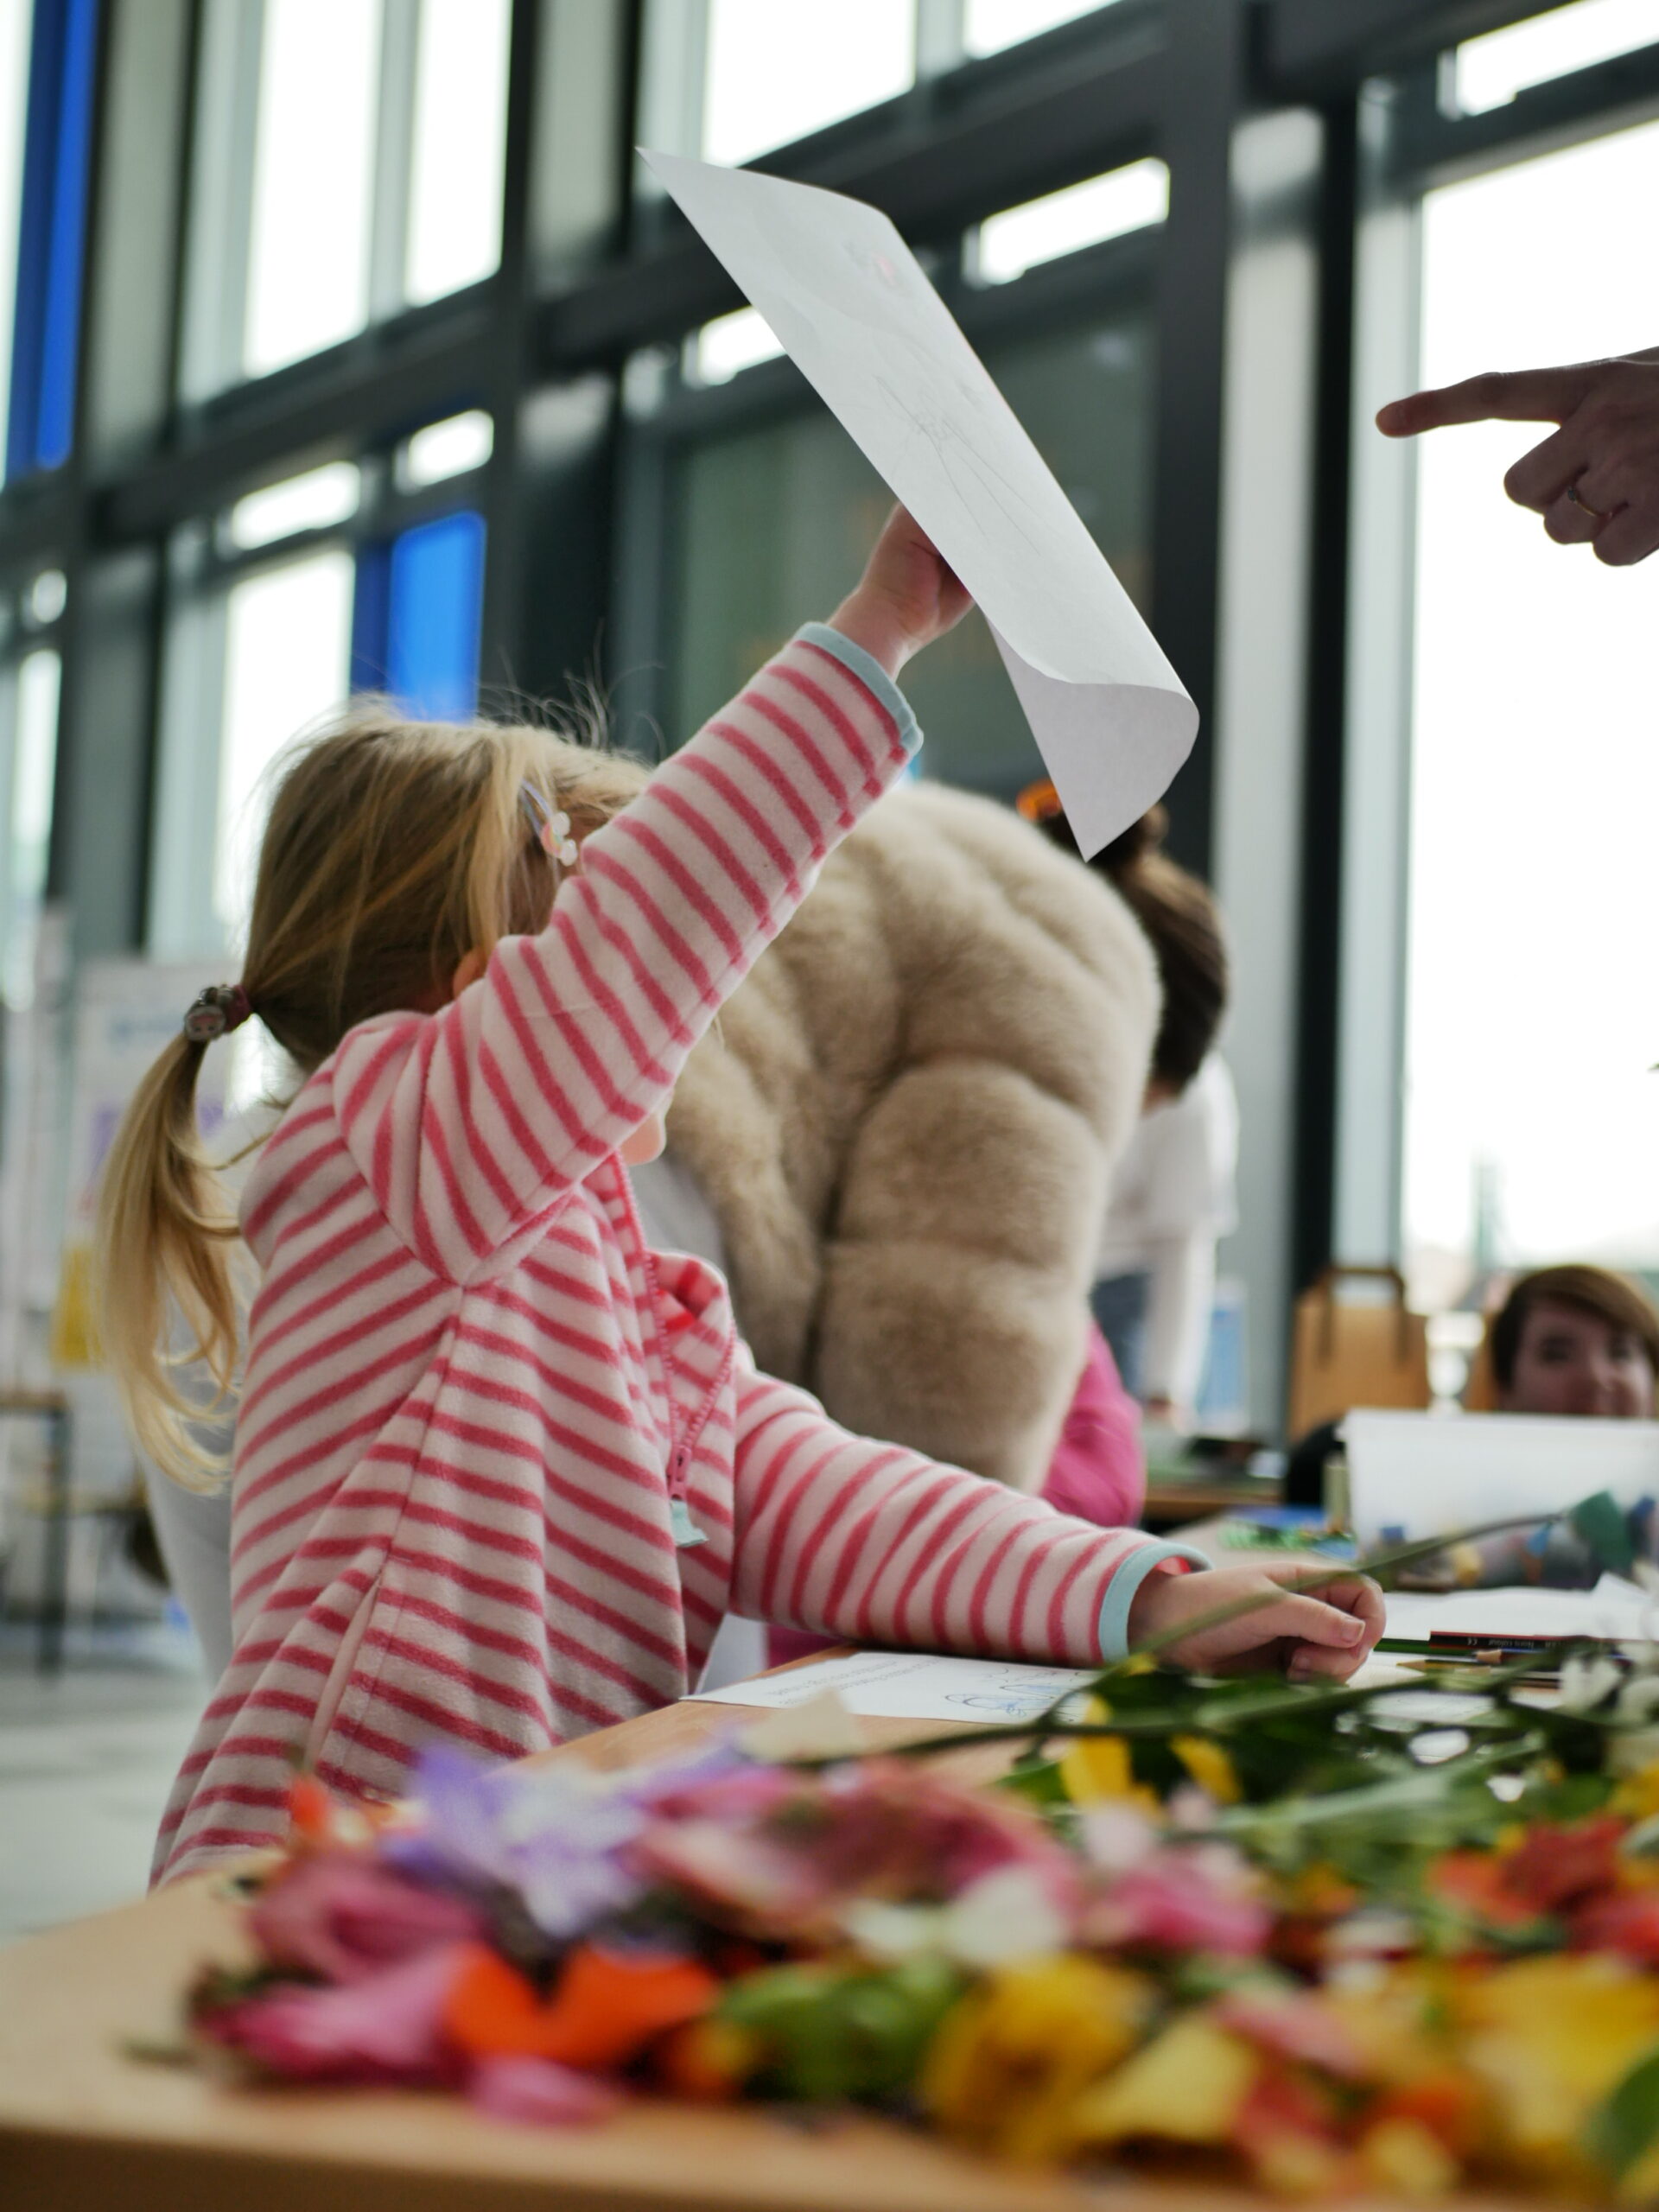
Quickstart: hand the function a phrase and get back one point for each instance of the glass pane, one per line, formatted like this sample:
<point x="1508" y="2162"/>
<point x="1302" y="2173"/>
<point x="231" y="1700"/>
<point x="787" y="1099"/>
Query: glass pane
<point x="1532" y="1124"/>
<point x="989" y="25"/>
<point x="460" y="121"/>
<point x="415" y="626"/>
<point x="446" y="448"/>
<point x="1107" y="206"/>
<point x="286" y="654"/>
<point x="1489" y="71"/>
<point x="51" y="234"/>
<point x="34" y="762"/>
<point x="772" y="525"/>
<point x="776" y="73"/>
<point x="313" y="166"/>
<point x="313" y="501"/>
<point x="437" y="591"/>
<point x="13" y="96"/>
<point x="731" y="342"/>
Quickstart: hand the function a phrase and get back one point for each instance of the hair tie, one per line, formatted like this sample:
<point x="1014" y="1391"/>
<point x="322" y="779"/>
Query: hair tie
<point x="220" y="1008"/>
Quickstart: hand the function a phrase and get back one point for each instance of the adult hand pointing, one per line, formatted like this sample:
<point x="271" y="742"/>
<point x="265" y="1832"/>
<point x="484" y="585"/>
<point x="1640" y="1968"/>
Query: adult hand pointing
<point x="1595" y="479"/>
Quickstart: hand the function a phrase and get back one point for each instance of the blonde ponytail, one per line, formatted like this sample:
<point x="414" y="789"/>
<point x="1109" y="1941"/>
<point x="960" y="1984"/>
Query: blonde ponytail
<point x="166" y="1241"/>
<point x="392" y="850"/>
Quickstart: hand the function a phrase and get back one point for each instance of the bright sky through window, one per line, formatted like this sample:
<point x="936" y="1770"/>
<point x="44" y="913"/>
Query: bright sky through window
<point x="446" y="448"/>
<point x="1532" y="1014"/>
<point x="14" y="95"/>
<point x="1489" y="71"/>
<point x="1063" y="222"/>
<point x="730" y="343"/>
<point x="989" y="25"/>
<point x="461" y="122"/>
<point x="313" y="166"/>
<point x="312" y="501"/>
<point x="288" y="657"/>
<point x="777" y="73"/>
<point x="29" y="829"/>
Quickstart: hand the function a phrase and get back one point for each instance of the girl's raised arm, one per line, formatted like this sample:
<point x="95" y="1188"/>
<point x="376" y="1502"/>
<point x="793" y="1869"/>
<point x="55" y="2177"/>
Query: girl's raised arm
<point x="471" y="1123"/>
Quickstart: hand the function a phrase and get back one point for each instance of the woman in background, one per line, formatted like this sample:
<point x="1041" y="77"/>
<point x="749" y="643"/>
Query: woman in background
<point x="1574" y="1340"/>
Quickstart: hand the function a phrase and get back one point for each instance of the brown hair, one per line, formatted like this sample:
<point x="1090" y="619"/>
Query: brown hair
<point x="391" y="850"/>
<point x="1598" y="1292"/>
<point x="1179" y="913"/>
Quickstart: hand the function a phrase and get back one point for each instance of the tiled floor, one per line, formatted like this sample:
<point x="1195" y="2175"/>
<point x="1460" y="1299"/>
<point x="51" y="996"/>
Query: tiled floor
<point x="85" y="1762"/>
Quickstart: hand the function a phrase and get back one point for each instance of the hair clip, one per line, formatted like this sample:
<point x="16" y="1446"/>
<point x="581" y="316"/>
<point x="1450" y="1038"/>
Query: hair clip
<point x="552" y="827"/>
<point x="1039" y="803"/>
<point x="220" y="1008"/>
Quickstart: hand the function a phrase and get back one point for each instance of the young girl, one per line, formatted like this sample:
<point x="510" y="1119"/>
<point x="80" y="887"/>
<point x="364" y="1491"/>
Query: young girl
<point x="500" y="1468"/>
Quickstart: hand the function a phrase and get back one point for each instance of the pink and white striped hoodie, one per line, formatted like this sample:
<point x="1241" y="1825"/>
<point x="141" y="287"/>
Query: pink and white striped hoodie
<point x="477" y="1410"/>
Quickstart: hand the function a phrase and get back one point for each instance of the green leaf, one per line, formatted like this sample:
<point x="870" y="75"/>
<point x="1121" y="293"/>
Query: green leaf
<point x="1627" y="2125"/>
<point x="1602" y="1523"/>
<point x="1037" y="1781"/>
<point x="832" y="2033"/>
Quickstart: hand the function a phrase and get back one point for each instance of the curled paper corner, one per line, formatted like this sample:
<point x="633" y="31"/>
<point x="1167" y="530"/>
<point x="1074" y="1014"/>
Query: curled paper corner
<point x="1152" y="727"/>
<point x="826" y="1727"/>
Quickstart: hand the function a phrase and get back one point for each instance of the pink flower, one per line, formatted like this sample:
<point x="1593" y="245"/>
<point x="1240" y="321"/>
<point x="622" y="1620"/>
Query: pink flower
<point x="386" y="2029"/>
<point x="1192" y="1897"/>
<point x="1294" y="2023"/>
<point x="782" y="1854"/>
<point x="346" y="1915"/>
<point x="537" y="2090"/>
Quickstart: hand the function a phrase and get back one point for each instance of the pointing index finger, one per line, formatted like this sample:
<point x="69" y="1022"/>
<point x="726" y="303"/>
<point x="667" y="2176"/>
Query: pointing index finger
<point x="1517" y="396"/>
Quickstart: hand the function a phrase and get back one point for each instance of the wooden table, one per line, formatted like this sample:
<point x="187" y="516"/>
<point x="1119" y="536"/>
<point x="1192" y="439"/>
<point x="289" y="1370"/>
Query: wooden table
<point x="84" y="2127"/>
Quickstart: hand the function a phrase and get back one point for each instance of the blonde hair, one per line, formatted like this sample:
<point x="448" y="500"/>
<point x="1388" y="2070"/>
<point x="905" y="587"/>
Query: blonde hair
<point x="392" y="850"/>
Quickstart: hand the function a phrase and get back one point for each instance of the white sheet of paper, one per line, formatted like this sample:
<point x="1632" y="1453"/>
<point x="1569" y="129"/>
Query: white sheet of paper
<point x="1615" y="1610"/>
<point x="913" y="1686"/>
<point x="1430" y="1474"/>
<point x="851" y="306"/>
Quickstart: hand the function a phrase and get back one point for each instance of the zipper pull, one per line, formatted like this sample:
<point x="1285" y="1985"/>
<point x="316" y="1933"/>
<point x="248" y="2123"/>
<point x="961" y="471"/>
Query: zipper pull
<point x="686" y="1531"/>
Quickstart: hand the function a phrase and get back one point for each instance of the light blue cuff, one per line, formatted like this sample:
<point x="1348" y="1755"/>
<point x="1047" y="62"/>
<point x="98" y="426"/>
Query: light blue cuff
<point x="1120" y="1592"/>
<point x="870" y="673"/>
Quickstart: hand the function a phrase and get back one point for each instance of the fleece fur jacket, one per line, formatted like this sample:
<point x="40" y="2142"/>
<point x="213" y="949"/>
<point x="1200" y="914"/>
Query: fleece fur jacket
<point x="906" y="1123"/>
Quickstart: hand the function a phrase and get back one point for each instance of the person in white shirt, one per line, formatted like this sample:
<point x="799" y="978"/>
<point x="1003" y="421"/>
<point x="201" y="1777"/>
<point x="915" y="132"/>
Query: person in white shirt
<point x="1172" y="1199"/>
<point x="1172" y="1196"/>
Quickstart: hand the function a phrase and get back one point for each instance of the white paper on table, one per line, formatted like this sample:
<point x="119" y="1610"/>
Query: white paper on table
<point x="1615" y="1610"/>
<point x="851" y="306"/>
<point x="913" y="1686"/>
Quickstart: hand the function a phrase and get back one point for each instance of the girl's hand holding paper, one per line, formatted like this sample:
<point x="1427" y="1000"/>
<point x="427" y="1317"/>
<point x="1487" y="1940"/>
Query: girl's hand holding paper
<point x="847" y="301"/>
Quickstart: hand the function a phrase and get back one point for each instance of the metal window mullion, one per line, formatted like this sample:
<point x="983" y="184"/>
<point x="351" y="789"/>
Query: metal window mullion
<point x="219" y="224"/>
<point x="394" y="157"/>
<point x="1375" y="829"/>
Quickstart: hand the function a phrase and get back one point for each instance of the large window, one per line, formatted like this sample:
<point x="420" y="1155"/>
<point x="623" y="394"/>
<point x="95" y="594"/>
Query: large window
<point x="771" y="525"/>
<point x="349" y="161"/>
<point x="344" y="578"/>
<point x="1532" y="1123"/>
<point x="777" y="74"/>
<point x="47" y="65"/>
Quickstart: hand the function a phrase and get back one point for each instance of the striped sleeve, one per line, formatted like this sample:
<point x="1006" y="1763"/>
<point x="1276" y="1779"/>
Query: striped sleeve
<point x="470" y="1122"/>
<point x="871" y="1542"/>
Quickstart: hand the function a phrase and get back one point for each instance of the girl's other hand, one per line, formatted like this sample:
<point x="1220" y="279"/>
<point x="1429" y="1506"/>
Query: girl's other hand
<point x="1324" y="1634"/>
<point x="906" y="598"/>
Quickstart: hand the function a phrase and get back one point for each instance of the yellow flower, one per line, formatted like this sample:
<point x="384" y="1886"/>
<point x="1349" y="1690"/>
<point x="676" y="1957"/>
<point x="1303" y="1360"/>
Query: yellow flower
<point x="1209" y="1766"/>
<point x="1552" y="2037"/>
<point x="1404" y="2155"/>
<point x="1007" y="2067"/>
<point x="1637" y="1797"/>
<point x="1097" y="1768"/>
<point x="1186" y="2086"/>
